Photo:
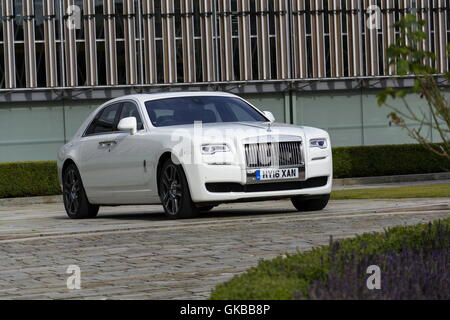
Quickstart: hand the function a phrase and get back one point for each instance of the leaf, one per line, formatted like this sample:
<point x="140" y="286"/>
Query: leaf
<point x="381" y="98"/>
<point x="402" y="67"/>
<point x="401" y="94"/>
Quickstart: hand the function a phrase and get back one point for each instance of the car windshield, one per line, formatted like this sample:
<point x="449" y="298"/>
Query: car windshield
<point x="206" y="109"/>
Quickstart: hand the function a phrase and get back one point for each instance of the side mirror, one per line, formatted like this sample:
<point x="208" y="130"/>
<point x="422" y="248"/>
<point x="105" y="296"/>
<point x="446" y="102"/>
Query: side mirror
<point x="128" y="124"/>
<point x="269" y="115"/>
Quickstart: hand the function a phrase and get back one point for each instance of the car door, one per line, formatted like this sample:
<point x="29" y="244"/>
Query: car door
<point x="128" y="161"/>
<point x="94" y="153"/>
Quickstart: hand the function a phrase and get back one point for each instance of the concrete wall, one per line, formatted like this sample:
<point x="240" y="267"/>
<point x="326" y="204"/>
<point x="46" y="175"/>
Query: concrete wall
<point x="354" y="118"/>
<point x="35" y="131"/>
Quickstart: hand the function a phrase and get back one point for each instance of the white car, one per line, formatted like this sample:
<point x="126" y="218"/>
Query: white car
<point x="191" y="151"/>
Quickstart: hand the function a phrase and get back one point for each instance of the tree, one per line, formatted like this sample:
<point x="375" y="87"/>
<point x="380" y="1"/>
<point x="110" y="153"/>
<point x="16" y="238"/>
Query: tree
<point x="409" y="58"/>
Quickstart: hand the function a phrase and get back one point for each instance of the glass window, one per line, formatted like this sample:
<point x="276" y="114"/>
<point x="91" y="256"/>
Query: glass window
<point x="205" y="109"/>
<point x="18" y="20"/>
<point x="2" y="70"/>
<point x="40" y="64"/>
<point x="129" y="109"/>
<point x="39" y="19"/>
<point x="105" y="121"/>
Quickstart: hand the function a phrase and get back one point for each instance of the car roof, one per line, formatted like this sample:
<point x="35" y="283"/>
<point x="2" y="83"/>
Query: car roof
<point x="144" y="97"/>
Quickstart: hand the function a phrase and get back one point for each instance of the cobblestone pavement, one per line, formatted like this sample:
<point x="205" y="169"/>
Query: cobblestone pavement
<point x="135" y="253"/>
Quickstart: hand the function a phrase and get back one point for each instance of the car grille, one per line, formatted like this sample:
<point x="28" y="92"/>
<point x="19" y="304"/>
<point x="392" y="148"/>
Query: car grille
<point x="274" y="154"/>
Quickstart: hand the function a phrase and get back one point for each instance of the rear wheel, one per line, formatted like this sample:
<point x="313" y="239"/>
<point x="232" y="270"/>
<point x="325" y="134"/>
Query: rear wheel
<point x="174" y="192"/>
<point x="308" y="204"/>
<point x="76" y="202"/>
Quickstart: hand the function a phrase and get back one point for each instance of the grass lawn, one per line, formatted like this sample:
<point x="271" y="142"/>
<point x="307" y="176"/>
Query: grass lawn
<point x="428" y="191"/>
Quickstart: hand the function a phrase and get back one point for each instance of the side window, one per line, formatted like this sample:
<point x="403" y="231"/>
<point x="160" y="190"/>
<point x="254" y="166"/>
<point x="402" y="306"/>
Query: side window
<point x="105" y="121"/>
<point x="129" y="109"/>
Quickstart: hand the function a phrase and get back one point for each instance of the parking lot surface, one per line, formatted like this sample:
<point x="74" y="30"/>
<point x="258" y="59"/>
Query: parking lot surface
<point x="135" y="253"/>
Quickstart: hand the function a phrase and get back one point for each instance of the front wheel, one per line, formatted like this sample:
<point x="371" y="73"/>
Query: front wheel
<point x="310" y="204"/>
<point x="76" y="202"/>
<point x="174" y="192"/>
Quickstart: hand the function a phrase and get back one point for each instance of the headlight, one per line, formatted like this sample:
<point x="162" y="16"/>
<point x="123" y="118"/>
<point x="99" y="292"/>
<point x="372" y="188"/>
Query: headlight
<point x="209" y="149"/>
<point x="318" y="143"/>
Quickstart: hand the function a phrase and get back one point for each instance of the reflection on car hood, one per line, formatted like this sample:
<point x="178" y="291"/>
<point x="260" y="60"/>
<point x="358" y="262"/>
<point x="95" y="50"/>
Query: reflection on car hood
<point x="244" y="130"/>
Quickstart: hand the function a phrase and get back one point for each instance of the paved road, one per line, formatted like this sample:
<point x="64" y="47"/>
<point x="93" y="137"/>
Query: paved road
<point x="134" y="252"/>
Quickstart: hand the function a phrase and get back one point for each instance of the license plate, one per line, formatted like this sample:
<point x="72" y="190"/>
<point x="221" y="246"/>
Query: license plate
<point x="276" y="174"/>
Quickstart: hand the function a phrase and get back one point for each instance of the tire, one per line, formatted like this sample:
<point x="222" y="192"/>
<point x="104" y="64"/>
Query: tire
<point x="174" y="192"/>
<point x="206" y="208"/>
<point x="315" y="204"/>
<point x="76" y="202"/>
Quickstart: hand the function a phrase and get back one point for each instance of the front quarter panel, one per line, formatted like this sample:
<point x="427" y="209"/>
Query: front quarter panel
<point x="319" y="162"/>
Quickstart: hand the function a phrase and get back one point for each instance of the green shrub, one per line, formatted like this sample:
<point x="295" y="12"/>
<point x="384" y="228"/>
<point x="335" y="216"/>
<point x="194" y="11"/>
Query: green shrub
<point x="369" y="161"/>
<point x="21" y="179"/>
<point x="283" y="277"/>
<point x="25" y="179"/>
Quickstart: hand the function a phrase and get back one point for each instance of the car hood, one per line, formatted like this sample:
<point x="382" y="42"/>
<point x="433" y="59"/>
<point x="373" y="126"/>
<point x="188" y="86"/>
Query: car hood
<point x="244" y="130"/>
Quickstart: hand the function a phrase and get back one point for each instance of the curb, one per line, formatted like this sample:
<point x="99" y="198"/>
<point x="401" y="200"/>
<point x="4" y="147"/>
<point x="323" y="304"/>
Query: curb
<point x="336" y="183"/>
<point x="391" y="179"/>
<point x="30" y="201"/>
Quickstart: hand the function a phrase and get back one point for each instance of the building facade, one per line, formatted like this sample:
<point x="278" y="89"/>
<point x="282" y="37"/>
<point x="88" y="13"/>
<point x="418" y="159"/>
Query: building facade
<point x="311" y="62"/>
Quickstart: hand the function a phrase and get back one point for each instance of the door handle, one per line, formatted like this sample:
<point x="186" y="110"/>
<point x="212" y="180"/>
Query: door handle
<point x="107" y="143"/>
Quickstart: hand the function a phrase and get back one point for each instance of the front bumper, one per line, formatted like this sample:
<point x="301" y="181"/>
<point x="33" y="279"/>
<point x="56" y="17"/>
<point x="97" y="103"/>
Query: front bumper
<point x="199" y="175"/>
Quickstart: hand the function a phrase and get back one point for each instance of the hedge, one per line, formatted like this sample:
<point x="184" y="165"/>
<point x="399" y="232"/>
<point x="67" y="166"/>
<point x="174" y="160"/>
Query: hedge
<point x="26" y="179"/>
<point x="371" y="161"/>
<point x="23" y="179"/>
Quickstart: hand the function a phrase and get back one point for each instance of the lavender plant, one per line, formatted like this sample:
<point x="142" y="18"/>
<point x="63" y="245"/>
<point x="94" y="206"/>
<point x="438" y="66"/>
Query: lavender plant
<point x="416" y="270"/>
<point x="414" y="262"/>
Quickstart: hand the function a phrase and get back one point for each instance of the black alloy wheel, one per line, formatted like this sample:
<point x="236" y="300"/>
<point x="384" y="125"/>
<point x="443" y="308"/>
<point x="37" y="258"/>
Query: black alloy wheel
<point x="75" y="200"/>
<point x="174" y="192"/>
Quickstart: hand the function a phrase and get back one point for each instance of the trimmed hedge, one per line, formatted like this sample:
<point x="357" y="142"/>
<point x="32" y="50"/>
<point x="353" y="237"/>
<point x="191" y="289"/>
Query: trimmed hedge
<point x="371" y="161"/>
<point x="24" y="179"/>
